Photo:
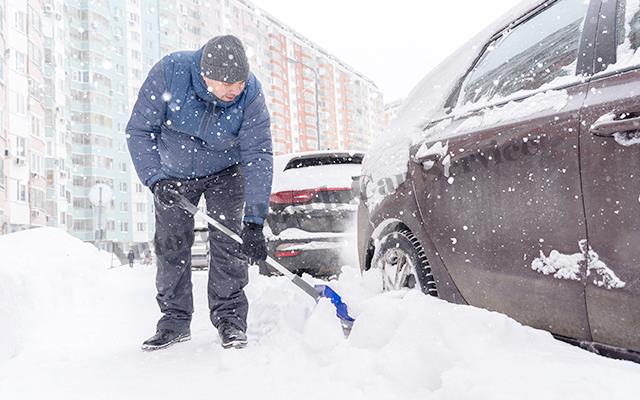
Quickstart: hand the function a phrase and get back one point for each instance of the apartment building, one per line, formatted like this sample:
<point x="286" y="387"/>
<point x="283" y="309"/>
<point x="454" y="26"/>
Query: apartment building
<point x="316" y="100"/>
<point x="22" y="120"/>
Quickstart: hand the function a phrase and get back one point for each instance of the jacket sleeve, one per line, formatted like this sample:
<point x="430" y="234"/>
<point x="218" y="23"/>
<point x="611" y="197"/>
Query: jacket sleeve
<point x="143" y="129"/>
<point x="257" y="159"/>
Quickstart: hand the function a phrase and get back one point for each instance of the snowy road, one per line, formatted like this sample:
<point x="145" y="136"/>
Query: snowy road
<point x="71" y="329"/>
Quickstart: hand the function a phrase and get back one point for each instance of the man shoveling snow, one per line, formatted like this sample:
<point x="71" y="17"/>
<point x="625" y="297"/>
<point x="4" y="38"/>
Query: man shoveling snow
<point x="200" y="127"/>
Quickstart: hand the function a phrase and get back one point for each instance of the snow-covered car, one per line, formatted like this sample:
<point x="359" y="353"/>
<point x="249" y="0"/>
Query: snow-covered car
<point x="311" y="221"/>
<point x="510" y="179"/>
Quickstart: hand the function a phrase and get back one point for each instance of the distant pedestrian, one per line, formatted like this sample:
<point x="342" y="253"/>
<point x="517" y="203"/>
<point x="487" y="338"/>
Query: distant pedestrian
<point x="131" y="256"/>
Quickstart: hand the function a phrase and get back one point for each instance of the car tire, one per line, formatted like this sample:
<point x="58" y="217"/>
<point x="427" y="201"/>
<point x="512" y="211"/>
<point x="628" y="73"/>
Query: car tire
<point x="403" y="263"/>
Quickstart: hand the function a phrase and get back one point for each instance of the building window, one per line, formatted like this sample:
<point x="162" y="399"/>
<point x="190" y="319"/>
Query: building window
<point x="21" y="107"/>
<point x="37" y="164"/>
<point x="35" y="127"/>
<point x="140" y="207"/>
<point x="21" y="62"/>
<point x="36" y="21"/>
<point x="141" y="227"/>
<point x="124" y="227"/>
<point x="21" y="191"/>
<point x="83" y="225"/>
<point x="36" y="55"/>
<point x="21" y="21"/>
<point x="21" y="147"/>
<point x="80" y="76"/>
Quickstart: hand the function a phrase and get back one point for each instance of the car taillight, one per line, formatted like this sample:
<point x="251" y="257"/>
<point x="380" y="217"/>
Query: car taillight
<point x="281" y="198"/>
<point x="287" y="253"/>
<point x="300" y="196"/>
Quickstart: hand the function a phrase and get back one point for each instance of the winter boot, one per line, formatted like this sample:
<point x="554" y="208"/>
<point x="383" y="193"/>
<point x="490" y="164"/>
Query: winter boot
<point x="165" y="338"/>
<point x="231" y="336"/>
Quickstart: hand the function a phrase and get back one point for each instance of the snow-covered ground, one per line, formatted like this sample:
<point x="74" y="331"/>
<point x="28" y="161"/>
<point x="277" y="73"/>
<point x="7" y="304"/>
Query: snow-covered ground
<point x="72" y="328"/>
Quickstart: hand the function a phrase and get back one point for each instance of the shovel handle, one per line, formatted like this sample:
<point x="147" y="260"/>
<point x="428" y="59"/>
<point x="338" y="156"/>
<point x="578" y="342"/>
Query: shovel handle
<point x="307" y="288"/>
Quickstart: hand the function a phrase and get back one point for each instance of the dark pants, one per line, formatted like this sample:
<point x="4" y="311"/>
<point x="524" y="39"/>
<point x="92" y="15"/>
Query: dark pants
<point x="224" y="195"/>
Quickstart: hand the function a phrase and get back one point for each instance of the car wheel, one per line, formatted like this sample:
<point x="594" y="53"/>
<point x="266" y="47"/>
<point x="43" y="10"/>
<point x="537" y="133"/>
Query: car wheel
<point x="403" y="263"/>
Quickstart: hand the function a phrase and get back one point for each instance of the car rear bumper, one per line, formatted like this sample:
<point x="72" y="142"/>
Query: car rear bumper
<point x="318" y="254"/>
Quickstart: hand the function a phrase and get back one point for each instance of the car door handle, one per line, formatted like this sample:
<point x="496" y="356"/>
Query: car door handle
<point x="608" y="128"/>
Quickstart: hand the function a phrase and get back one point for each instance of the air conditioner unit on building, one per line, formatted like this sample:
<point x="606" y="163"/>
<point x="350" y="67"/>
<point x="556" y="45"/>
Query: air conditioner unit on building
<point x="20" y="161"/>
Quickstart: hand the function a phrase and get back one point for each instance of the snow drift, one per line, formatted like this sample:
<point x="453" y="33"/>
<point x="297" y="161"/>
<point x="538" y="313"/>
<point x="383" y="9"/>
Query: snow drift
<point x="72" y="327"/>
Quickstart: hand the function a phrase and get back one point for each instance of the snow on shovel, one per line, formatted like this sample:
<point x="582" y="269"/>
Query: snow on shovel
<point x="317" y="291"/>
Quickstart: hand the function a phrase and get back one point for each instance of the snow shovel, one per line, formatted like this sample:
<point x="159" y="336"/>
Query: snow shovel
<point x="317" y="291"/>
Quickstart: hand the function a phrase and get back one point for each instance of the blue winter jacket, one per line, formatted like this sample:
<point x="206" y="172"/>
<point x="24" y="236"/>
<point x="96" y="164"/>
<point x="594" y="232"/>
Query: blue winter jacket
<point x="180" y="130"/>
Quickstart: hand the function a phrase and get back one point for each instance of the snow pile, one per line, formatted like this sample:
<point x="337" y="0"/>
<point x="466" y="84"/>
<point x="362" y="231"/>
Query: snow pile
<point x="404" y="345"/>
<point x="45" y="277"/>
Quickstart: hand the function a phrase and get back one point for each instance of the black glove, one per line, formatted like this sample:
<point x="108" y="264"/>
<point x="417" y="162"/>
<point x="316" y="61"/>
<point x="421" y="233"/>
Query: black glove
<point x="253" y="243"/>
<point x="167" y="192"/>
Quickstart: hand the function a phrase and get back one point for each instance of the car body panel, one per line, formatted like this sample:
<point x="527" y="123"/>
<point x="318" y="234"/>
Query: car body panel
<point x="511" y="192"/>
<point x="611" y="184"/>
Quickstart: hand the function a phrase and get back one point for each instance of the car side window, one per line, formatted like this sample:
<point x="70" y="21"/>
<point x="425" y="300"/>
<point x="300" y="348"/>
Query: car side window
<point x="542" y="51"/>
<point x="628" y="33"/>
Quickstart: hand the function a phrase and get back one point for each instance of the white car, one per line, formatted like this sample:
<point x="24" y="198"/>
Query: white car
<point x="311" y="221"/>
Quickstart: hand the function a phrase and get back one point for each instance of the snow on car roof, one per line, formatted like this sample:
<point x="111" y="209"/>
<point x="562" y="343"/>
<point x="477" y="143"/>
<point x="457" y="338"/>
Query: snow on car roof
<point x="315" y="176"/>
<point x="385" y="162"/>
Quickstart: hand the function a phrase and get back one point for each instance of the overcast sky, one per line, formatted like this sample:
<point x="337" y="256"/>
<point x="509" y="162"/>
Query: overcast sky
<point x="394" y="43"/>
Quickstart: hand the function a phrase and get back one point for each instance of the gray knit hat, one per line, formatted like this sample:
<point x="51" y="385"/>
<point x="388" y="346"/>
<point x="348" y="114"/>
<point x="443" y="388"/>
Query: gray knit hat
<point x="224" y="59"/>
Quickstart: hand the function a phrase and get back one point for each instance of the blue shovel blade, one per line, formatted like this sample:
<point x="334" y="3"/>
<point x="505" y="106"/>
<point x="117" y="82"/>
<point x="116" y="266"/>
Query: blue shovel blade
<point x="341" y="309"/>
